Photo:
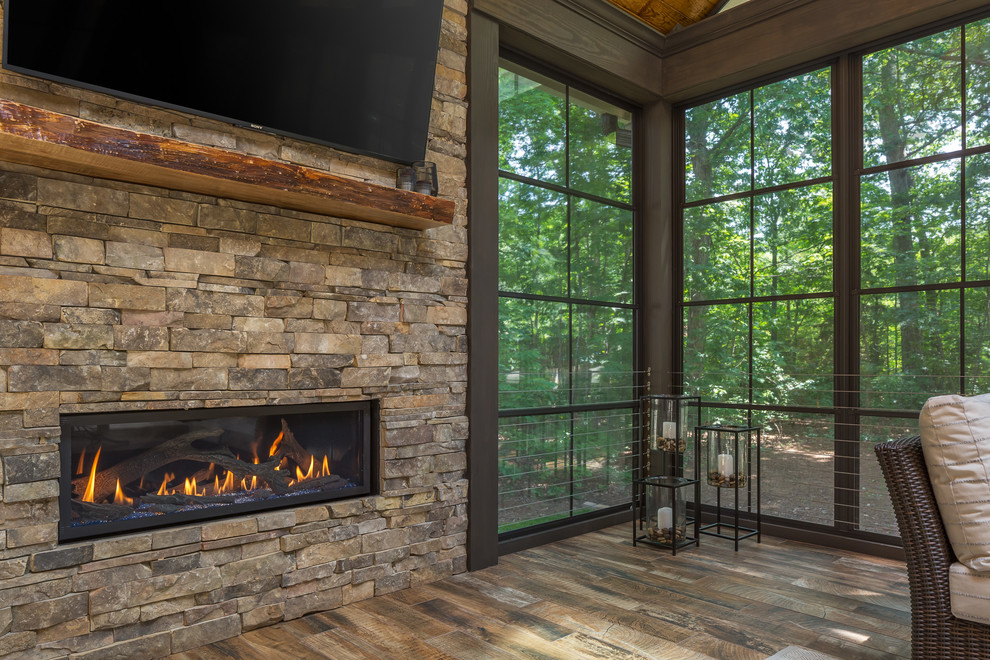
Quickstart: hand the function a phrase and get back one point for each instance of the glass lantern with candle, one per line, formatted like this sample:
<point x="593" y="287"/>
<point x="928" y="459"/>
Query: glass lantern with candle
<point x="729" y="455"/>
<point x="669" y="428"/>
<point x="425" y="177"/>
<point x="668" y="516"/>
<point x="663" y="519"/>
<point x="405" y="178"/>
<point x="733" y="465"/>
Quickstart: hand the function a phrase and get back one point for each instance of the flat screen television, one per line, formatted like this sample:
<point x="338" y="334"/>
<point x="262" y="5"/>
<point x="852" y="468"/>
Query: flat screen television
<point x="354" y="74"/>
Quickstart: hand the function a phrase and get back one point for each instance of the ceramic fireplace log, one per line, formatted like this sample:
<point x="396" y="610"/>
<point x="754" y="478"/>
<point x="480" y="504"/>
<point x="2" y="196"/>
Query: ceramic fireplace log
<point x="267" y="472"/>
<point x="178" y="449"/>
<point x="90" y="512"/>
<point x="287" y="447"/>
<point x="222" y="457"/>
<point x="330" y="481"/>
<point x="134" y="468"/>
<point x="185" y="500"/>
<point x="290" y="447"/>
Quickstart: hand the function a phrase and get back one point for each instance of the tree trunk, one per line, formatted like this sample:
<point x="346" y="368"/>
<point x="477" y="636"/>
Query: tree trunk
<point x="698" y="246"/>
<point x="903" y="221"/>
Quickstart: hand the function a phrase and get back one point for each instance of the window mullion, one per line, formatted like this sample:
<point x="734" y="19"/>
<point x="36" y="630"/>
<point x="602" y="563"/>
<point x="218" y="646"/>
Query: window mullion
<point x="962" y="213"/>
<point x="847" y="158"/>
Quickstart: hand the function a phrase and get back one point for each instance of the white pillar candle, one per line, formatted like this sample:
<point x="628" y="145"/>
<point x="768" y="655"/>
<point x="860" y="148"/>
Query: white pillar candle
<point x="725" y="465"/>
<point x="665" y="517"/>
<point x="670" y="429"/>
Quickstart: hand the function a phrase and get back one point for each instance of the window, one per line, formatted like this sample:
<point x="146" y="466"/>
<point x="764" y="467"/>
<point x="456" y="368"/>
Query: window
<point x="567" y="306"/>
<point x="758" y="298"/>
<point x="923" y="233"/>
<point x="834" y="344"/>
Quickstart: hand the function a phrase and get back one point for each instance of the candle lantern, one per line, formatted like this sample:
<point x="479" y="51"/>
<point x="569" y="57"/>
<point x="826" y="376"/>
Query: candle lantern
<point x="425" y="177"/>
<point x="669" y="428"/>
<point x="405" y="178"/>
<point x="662" y="520"/>
<point x="729" y="456"/>
<point x="733" y="462"/>
<point x="668" y="516"/>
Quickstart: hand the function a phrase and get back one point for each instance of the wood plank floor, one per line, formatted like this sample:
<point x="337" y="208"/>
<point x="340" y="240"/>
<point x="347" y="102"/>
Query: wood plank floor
<point x="596" y="596"/>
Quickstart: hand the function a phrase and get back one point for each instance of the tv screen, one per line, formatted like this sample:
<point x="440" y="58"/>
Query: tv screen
<point x="354" y="74"/>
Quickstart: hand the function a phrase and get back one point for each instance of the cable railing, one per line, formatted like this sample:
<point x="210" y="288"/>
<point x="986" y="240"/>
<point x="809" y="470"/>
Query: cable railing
<point x="564" y="449"/>
<point x="564" y="453"/>
<point x="815" y="455"/>
<point x="581" y="388"/>
<point x="599" y="415"/>
<point x="557" y="498"/>
<point x="598" y="418"/>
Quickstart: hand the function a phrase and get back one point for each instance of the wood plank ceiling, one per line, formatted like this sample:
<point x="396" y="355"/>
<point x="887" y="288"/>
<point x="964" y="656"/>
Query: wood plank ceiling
<point x="665" y="15"/>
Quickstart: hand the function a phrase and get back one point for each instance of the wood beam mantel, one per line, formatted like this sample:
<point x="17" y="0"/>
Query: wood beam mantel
<point x="33" y="136"/>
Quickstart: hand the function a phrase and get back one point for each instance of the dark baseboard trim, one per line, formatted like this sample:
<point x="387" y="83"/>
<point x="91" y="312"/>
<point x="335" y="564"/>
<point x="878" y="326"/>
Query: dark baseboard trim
<point x="565" y="532"/>
<point x="835" y="540"/>
<point x="823" y="538"/>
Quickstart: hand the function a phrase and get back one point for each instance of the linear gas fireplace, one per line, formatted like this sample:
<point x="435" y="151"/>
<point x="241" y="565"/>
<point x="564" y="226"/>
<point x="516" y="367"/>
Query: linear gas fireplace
<point x="123" y="472"/>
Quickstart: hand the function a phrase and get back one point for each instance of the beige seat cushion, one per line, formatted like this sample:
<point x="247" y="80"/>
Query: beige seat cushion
<point x="969" y="593"/>
<point x="955" y="437"/>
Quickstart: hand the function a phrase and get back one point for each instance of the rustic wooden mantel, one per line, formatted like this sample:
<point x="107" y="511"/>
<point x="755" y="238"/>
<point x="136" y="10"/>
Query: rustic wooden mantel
<point x="33" y="136"/>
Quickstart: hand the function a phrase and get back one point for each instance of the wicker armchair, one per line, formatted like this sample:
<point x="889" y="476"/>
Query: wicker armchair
<point x="935" y="633"/>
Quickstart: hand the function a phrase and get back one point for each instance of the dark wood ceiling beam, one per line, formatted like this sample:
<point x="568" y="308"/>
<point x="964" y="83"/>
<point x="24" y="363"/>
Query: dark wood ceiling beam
<point x="764" y="37"/>
<point x="666" y="15"/>
<point x="567" y="34"/>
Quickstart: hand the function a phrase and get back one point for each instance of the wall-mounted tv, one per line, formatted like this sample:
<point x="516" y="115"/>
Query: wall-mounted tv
<point x="354" y="74"/>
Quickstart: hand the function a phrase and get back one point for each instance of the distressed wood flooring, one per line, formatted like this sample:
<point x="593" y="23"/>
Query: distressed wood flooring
<point x="596" y="596"/>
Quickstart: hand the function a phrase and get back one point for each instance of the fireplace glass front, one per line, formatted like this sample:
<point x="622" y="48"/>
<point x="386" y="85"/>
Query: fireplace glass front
<point x="122" y="472"/>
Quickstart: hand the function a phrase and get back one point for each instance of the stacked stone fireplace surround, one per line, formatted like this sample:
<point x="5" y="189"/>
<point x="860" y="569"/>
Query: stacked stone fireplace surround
<point x="120" y="297"/>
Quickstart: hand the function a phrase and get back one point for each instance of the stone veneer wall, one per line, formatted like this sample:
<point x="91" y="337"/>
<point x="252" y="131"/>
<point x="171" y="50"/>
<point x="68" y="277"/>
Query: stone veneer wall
<point x="122" y="297"/>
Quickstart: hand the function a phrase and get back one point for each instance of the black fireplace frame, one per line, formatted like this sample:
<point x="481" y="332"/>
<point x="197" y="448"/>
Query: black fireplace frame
<point x="369" y="416"/>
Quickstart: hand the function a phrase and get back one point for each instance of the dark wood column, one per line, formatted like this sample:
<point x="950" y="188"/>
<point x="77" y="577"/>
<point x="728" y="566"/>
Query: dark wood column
<point x="482" y="398"/>
<point x="657" y="278"/>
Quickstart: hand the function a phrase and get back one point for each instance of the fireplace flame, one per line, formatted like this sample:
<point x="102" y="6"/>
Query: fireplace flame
<point x="91" y="484"/>
<point x="163" y="489"/>
<point x="120" y="498"/>
<point x="326" y="467"/>
<point x="309" y="475"/>
<point x="228" y="482"/>
<point x="275" y="445"/>
<point x="192" y="489"/>
<point x="80" y="469"/>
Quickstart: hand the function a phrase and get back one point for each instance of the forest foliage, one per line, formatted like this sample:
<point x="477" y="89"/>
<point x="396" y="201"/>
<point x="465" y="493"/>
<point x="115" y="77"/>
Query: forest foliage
<point x="922" y="225"/>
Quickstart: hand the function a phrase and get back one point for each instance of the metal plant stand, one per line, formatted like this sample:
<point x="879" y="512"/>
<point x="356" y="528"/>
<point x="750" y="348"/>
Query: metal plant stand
<point x="731" y="465"/>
